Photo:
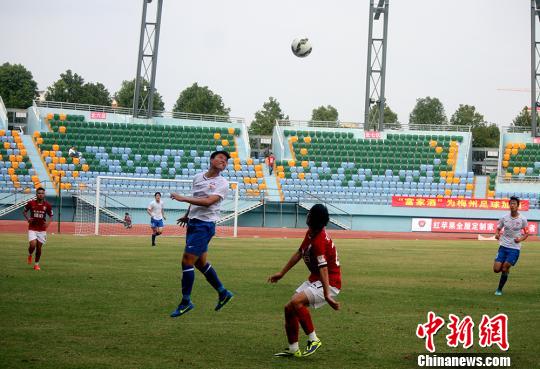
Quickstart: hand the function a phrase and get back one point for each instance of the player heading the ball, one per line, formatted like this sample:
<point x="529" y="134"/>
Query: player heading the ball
<point x="209" y="190"/>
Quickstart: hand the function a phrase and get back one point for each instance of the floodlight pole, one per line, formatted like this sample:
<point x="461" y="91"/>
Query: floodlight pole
<point x="535" y="99"/>
<point x="147" y="61"/>
<point x="376" y="67"/>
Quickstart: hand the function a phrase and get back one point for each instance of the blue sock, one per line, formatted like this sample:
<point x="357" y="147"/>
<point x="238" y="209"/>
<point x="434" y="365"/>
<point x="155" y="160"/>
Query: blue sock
<point x="212" y="278"/>
<point x="502" y="281"/>
<point x="188" y="278"/>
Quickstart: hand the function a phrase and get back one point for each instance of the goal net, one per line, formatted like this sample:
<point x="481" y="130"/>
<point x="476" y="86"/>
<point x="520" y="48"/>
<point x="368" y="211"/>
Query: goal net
<point x="117" y="206"/>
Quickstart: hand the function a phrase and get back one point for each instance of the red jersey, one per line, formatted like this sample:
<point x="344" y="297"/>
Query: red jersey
<point x="37" y="214"/>
<point x="318" y="252"/>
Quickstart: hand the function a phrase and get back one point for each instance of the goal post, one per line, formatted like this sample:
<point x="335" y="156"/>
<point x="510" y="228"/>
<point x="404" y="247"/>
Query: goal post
<point x="117" y="206"/>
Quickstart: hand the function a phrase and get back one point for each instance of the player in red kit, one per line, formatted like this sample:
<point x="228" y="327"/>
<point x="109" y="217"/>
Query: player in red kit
<point x="323" y="284"/>
<point x="37" y="224"/>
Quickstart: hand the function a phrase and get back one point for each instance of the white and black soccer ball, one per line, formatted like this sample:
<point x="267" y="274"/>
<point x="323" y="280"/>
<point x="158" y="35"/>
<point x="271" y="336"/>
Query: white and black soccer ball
<point x="301" y="47"/>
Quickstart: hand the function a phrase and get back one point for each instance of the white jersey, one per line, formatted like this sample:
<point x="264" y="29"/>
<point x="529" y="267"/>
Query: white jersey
<point x="204" y="187"/>
<point x="156" y="209"/>
<point x="512" y="230"/>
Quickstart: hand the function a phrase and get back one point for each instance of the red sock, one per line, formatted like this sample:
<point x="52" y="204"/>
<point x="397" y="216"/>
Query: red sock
<point x="291" y="324"/>
<point x="305" y="319"/>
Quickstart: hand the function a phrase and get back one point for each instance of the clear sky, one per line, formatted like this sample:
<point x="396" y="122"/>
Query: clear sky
<point x="460" y="51"/>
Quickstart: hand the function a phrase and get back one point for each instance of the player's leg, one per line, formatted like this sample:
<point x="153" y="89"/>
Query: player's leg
<point x="499" y="267"/>
<point x="500" y="258"/>
<point x="153" y="234"/>
<point x="224" y="295"/>
<point x="158" y="230"/>
<point x="505" y="271"/>
<point x="188" y="276"/>
<point x="190" y="256"/>
<point x="315" y="299"/>
<point x="292" y="324"/>
<point x="39" y="245"/>
<point x="31" y="249"/>
<point x="188" y="279"/>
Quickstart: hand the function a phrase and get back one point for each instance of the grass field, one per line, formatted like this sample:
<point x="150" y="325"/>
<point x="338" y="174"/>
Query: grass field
<point x="105" y="303"/>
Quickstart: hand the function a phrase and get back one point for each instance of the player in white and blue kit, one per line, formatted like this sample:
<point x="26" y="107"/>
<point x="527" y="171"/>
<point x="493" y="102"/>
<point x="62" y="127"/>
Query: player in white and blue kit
<point x="157" y="215"/>
<point x="514" y="231"/>
<point x="209" y="190"/>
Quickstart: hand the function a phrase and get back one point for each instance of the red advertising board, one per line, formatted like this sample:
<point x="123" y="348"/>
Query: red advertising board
<point x="372" y="134"/>
<point x="98" y="115"/>
<point x="455" y="203"/>
<point x="453" y="225"/>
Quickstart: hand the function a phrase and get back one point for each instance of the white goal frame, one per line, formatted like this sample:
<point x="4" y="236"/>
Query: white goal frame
<point x="98" y="193"/>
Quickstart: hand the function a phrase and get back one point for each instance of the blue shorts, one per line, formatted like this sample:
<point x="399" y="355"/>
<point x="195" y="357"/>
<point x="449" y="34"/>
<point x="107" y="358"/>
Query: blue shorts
<point x="154" y="223"/>
<point x="507" y="254"/>
<point x="199" y="234"/>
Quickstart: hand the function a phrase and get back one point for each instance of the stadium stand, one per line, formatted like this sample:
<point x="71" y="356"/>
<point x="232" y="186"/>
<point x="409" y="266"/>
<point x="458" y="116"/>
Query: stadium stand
<point x="345" y="168"/>
<point x="521" y="160"/>
<point x="140" y="150"/>
<point x="16" y="172"/>
<point x="519" y="172"/>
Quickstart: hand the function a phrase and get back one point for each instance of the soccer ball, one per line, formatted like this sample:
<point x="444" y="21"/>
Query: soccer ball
<point x="301" y="47"/>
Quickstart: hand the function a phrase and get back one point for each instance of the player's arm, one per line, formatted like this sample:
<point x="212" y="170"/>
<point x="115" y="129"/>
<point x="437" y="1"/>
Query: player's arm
<point x="163" y="213"/>
<point x="323" y="270"/>
<point x="25" y="210"/>
<point x="48" y="222"/>
<point x="295" y="258"/>
<point x="499" y="228"/>
<point x="524" y="236"/>
<point x="149" y="210"/>
<point x="199" y="201"/>
<point x="49" y="218"/>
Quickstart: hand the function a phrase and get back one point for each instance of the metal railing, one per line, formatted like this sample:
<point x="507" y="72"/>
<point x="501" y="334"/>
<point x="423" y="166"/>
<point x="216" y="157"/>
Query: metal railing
<point x="427" y="127"/>
<point x="3" y="112"/>
<point x="338" y="216"/>
<point x="317" y="124"/>
<point x="516" y="129"/>
<point x="279" y="135"/>
<point x="516" y="180"/>
<point x="14" y="198"/>
<point x="386" y="126"/>
<point x="245" y="137"/>
<point x="129" y="111"/>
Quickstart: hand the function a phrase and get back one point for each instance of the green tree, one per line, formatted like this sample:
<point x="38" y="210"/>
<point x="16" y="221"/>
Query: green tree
<point x="523" y="119"/>
<point x="466" y="115"/>
<point x="200" y="100"/>
<point x="265" y="119"/>
<point x="485" y="135"/>
<point x="72" y="88"/>
<point x="17" y="86"/>
<point x="428" y="111"/>
<point x="389" y="116"/>
<point x="124" y="96"/>
<point x="69" y="88"/>
<point x="325" y="113"/>
<point x="96" y="94"/>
